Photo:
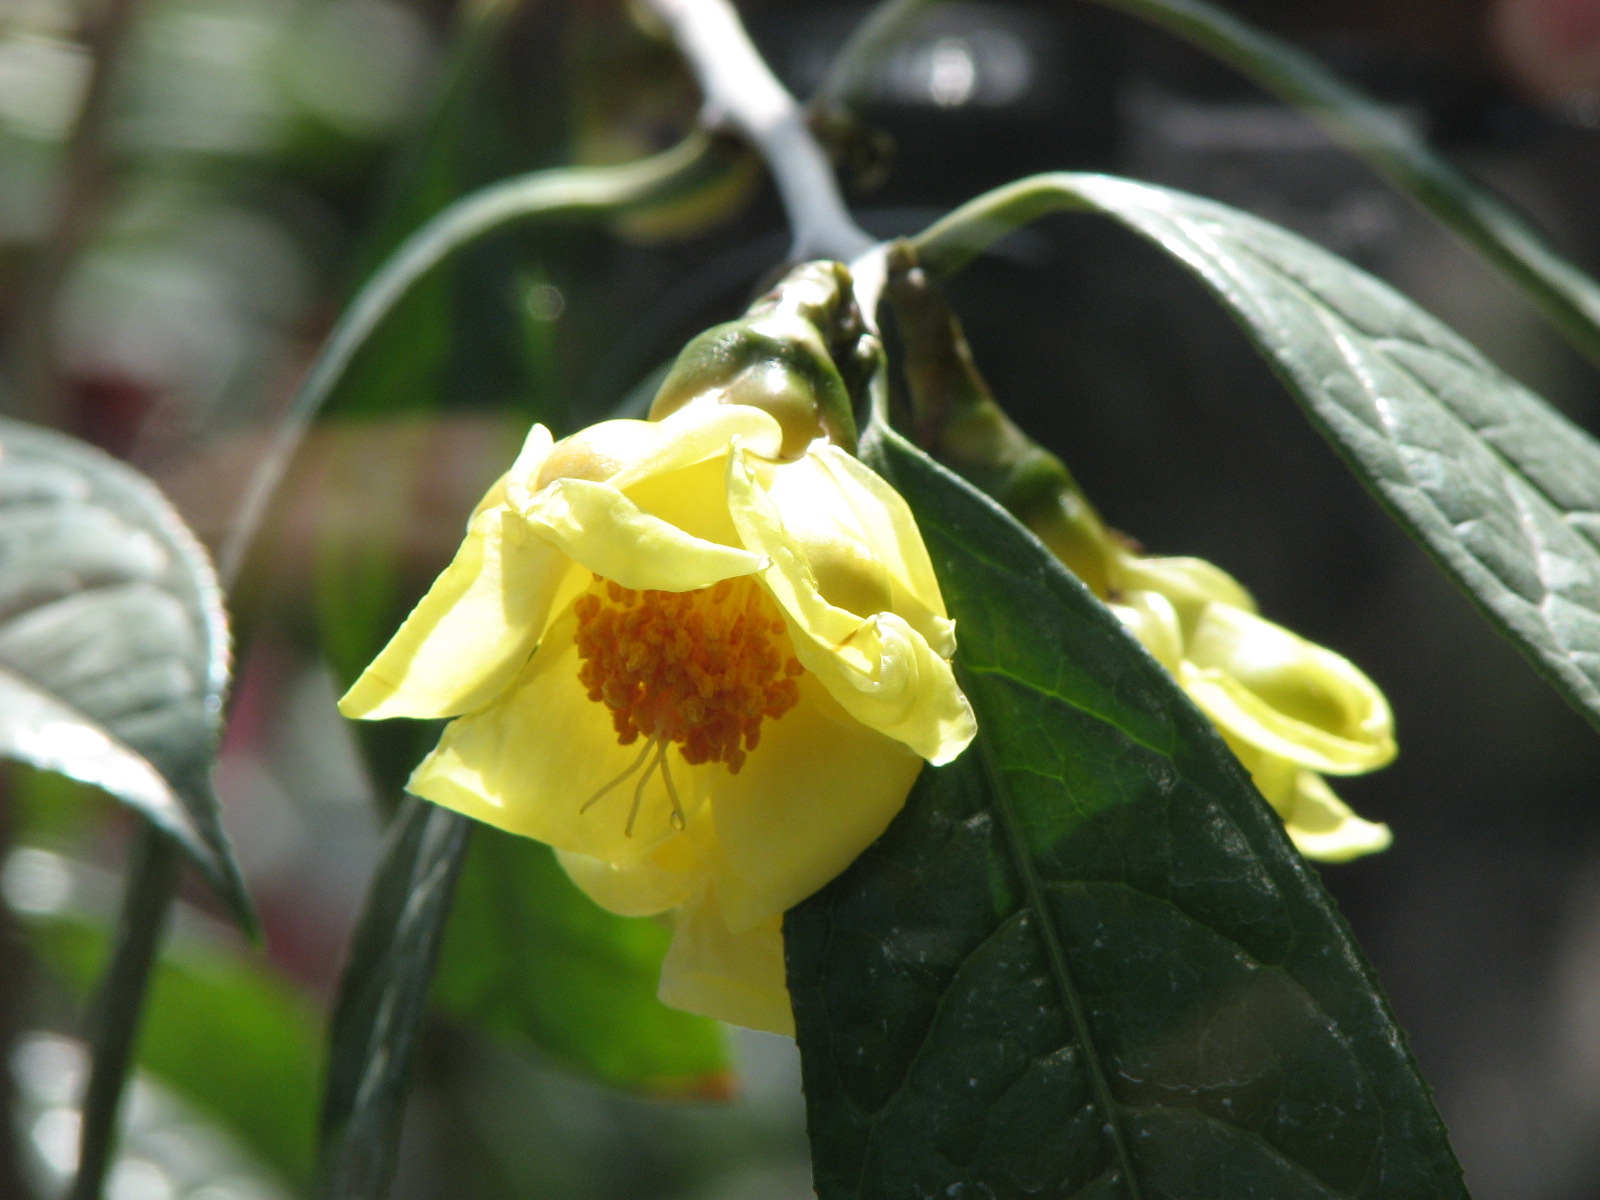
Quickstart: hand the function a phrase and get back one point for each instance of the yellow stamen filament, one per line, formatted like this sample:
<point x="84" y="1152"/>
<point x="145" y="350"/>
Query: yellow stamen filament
<point x="605" y="789"/>
<point x="700" y="670"/>
<point x="638" y="791"/>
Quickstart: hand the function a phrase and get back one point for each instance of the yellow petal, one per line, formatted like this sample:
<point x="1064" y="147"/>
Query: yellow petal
<point x="697" y="432"/>
<point x="1191" y="584"/>
<point x="529" y="762"/>
<point x="815" y="793"/>
<point x="1317" y="821"/>
<point x="738" y="978"/>
<point x="1150" y="617"/>
<point x="845" y="566"/>
<point x="880" y="670"/>
<point x="672" y="874"/>
<point x="622" y="452"/>
<point x="1323" y="827"/>
<point x="535" y="449"/>
<point x="883" y="522"/>
<point x="1275" y="778"/>
<point x="1285" y="695"/>
<point x="692" y="498"/>
<point x="469" y="636"/>
<point x="598" y="527"/>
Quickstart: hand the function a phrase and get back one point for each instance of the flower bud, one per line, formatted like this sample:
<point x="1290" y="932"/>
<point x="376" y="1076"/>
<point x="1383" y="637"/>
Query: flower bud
<point x="1287" y="708"/>
<point x="783" y="357"/>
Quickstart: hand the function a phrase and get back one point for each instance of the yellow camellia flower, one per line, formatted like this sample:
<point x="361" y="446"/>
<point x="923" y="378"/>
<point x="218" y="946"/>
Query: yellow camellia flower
<point x="705" y="665"/>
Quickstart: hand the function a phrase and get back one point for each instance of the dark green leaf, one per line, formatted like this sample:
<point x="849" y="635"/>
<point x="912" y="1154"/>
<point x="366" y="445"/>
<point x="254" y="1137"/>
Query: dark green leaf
<point x="383" y="998"/>
<point x="1395" y="150"/>
<point x="113" y="640"/>
<point x="208" y="1005"/>
<point x="530" y="956"/>
<point x="1085" y="960"/>
<point x="1501" y="489"/>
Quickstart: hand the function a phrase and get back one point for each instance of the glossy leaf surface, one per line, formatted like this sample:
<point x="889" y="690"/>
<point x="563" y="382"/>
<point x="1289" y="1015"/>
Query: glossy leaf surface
<point x="530" y="957"/>
<point x="113" y="640"/>
<point x="1501" y="489"/>
<point x="1084" y="960"/>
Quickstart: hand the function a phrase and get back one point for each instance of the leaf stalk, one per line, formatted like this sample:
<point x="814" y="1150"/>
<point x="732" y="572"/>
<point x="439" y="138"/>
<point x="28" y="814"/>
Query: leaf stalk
<point x="114" y="1022"/>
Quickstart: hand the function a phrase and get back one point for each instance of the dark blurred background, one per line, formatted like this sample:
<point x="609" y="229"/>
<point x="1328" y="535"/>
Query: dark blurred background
<point x="168" y="266"/>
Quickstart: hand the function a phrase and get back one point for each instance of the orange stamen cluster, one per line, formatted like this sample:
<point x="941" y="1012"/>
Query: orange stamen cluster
<point x="701" y="669"/>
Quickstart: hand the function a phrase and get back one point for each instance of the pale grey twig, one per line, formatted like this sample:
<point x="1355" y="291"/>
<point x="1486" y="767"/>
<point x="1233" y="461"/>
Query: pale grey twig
<point x="742" y="94"/>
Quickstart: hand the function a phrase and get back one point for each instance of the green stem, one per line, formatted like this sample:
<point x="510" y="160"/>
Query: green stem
<point x="114" y="1024"/>
<point x="958" y="421"/>
<point x="14" y="979"/>
<point x="563" y="192"/>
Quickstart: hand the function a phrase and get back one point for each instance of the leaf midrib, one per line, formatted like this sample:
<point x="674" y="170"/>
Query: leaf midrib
<point x="1066" y="986"/>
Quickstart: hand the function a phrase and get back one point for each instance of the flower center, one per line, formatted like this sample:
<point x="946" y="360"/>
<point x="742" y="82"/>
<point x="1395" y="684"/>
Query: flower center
<point x="701" y="669"/>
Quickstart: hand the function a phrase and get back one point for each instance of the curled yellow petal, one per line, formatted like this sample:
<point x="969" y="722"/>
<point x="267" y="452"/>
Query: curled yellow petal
<point x="1150" y="617"/>
<point x="624" y="452"/>
<point x="879" y="669"/>
<point x="530" y="460"/>
<point x="1323" y="827"/>
<point x="735" y="977"/>
<point x="883" y="521"/>
<point x="1265" y="686"/>
<point x="1190" y="584"/>
<point x="1320" y="824"/>
<point x="597" y="526"/>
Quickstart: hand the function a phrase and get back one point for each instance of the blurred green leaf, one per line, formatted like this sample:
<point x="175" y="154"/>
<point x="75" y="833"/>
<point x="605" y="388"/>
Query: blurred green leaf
<point x="113" y="641"/>
<point x="222" y="1029"/>
<point x="1499" y="488"/>
<point x="531" y="957"/>
<point x="405" y="362"/>
<point x="383" y="998"/>
<point x="1085" y="960"/>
